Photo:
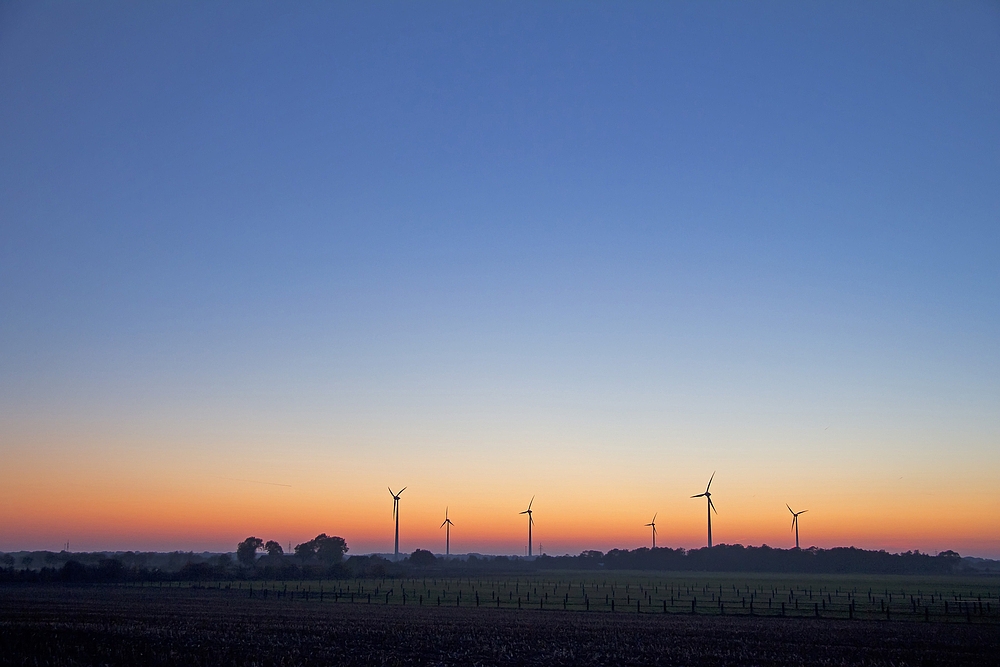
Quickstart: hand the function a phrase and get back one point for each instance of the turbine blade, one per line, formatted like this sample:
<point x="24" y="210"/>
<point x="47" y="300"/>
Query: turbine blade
<point x="789" y="508"/>
<point x="391" y="493"/>
<point x="531" y="501"/>
<point x="803" y="511"/>
<point x="710" y="482"/>
<point x="698" y="496"/>
<point x="401" y="491"/>
<point x="524" y="512"/>
<point x="443" y="523"/>
<point x="712" y="505"/>
<point x="654" y="519"/>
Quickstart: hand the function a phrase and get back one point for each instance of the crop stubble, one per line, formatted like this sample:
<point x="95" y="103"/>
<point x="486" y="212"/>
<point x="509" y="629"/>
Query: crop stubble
<point x="152" y="626"/>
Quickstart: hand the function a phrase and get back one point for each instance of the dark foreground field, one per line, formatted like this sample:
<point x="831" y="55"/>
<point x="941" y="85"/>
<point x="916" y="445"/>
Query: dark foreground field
<point x="135" y="626"/>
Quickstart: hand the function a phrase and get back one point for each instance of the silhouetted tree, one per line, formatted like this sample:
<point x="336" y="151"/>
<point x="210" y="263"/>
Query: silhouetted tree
<point x="73" y="571"/>
<point x="273" y="548"/>
<point x="330" y="550"/>
<point x="422" y="558"/>
<point x="26" y="561"/>
<point x="110" y="569"/>
<point x="7" y="560"/>
<point x="306" y="550"/>
<point x="246" y="551"/>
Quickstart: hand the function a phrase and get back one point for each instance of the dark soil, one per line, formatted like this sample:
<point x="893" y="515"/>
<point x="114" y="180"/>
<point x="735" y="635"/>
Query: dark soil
<point x="52" y="625"/>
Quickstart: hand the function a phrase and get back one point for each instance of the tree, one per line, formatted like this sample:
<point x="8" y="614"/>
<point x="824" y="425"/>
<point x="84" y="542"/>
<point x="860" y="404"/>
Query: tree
<point x="422" y="558"/>
<point x="273" y="548"/>
<point x="327" y="549"/>
<point x="26" y="561"/>
<point x="7" y="560"/>
<point x="330" y="550"/>
<point x="306" y="550"/>
<point x="246" y="551"/>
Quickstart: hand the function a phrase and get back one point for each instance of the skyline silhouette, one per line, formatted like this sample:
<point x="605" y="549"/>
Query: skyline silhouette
<point x="447" y="523"/>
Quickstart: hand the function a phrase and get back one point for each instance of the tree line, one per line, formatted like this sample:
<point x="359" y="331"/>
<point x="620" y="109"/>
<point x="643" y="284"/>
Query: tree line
<point x="323" y="558"/>
<point x="322" y="548"/>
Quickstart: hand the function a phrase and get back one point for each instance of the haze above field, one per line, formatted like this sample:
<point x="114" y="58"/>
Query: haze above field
<point x="259" y="262"/>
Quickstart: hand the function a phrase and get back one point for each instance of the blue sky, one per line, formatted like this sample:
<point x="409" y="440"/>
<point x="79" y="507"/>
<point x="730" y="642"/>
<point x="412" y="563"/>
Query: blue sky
<point x="536" y="228"/>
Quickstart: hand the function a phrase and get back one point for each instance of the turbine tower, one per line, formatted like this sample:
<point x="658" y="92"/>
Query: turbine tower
<point x="795" y="523"/>
<point x="653" y="524"/>
<point x="395" y="515"/>
<point x="447" y="533"/>
<point x="711" y="507"/>
<point x="530" y="521"/>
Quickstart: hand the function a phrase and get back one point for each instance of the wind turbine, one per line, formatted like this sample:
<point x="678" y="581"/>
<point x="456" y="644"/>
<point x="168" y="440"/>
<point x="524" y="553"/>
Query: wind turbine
<point x="653" y="524"/>
<point x="530" y="521"/>
<point x="447" y="539"/>
<point x="711" y="507"/>
<point x="795" y="523"/>
<point x="395" y="514"/>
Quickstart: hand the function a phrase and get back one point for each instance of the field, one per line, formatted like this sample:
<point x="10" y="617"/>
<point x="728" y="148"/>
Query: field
<point x="316" y="623"/>
<point x="946" y="599"/>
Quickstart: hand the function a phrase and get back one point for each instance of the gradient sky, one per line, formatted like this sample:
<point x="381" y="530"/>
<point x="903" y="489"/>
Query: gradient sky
<point x="586" y="252"/>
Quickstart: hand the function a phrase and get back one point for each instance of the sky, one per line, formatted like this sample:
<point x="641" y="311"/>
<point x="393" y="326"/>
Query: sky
<point x="260" y="261"/>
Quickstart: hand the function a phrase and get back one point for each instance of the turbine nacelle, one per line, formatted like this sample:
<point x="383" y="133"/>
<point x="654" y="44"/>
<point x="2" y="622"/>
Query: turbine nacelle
<point x="528" y="511"/>
<point x="531" y="522"/>
<point x="395" y="500"/>
<point x="707" y="495"/>
<point x="795" y="523"/>
<point x="652" y="524"/>
<point x="395" y="514"/>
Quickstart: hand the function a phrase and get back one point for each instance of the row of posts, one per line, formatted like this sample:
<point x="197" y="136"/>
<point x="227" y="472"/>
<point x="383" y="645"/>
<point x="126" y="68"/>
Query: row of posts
<point x="304" y="595"/>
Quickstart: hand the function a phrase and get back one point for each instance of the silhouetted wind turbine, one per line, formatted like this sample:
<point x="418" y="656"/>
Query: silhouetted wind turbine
<point x="795" y="523"/>
<point x="447" y="539"/>
<point x="711" y="507"/>
<point x="530" y="521"/>
<point x="395" y="515"/>
<point x="653" y="524"/>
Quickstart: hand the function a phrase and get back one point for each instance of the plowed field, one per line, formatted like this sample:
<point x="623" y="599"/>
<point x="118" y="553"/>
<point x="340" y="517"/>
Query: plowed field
<point x="41" y="625"/>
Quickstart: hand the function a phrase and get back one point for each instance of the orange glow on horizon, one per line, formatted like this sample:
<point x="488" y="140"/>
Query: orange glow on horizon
<point x="113" y="499"/>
